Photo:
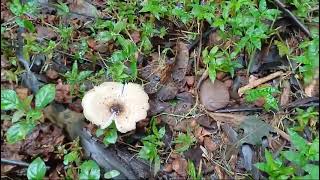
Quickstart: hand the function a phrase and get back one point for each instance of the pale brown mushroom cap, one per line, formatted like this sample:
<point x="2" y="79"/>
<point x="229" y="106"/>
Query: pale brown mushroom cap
<point x="109" y="101"/>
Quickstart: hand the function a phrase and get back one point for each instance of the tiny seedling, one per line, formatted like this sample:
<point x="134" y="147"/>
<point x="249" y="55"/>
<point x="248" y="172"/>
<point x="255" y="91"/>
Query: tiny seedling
<point x="305" y="117"/>
<point x="192" y="173"/>
<point x="275" y="168"/>
<point x="184" y="141"/>
<point x="74" y="78"/>
<point x="151" y="145"/>
<point x="219" y="61"/>
<point x="300" y="157"/>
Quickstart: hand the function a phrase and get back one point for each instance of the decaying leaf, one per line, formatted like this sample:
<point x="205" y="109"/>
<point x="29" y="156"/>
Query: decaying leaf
<point x="254" y="130"/>
<point x="214" y="95"/>
<point x="181" y="64"/>
<point x="83" y="7"/>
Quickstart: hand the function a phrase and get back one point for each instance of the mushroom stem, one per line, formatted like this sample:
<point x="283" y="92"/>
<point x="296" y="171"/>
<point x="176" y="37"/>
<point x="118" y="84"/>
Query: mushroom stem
<point x="113" y="115"/>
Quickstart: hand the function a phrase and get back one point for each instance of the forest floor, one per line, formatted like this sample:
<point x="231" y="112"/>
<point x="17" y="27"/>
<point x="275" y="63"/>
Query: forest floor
<point x="233" y="88"/>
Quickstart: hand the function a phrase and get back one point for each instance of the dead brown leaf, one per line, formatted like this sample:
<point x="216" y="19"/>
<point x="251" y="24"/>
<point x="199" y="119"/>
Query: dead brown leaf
<point x="22" y="93"/>
<point x="52" y="74"/>
<point x="179" y="165"/>
<point x="209" y="144"/>
<point x="63" y="93"/>
<point x="214" y="96"/>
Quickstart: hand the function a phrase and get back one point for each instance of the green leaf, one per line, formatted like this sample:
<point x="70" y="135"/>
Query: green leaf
<point x="282" y="48"/>
<point x="89" y="170"/>
<point x="45" y="96"/>
<point x="83" y="75"/>
<point x="25" y="24"/>
<point x="37" y="169"/>
<point x="9" y="99"/>
<point x="313" y="171"/>
<point x="297" y="141"/>
<point x="110" y="137"/>
<point x="17" y="116"/>
<point x="104" y="36"/>
<point x="70" y="157"/>
<point x="111" y="174"/>
<point x="16" y="8"/>
<point x="119" y="26"/>
<point x="33" y="115"/>
<point x="212" y="73"/>
<point x="19" y="131"/>
<point x="99" y="132"/>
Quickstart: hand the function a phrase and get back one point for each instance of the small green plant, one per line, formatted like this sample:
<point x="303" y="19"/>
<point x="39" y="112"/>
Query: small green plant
<point x="19" y="9"/>
<point x="152" y="144"/>
<point x="303" y="160"/>
<point x="275" y="168"/>
<point x="110" y="134"/>
<point x="309" y="59"/>
<point x="74" y="78"/>
<point x="37" y="169"/>
<point x="304" y="118"/>
<point x="184" y="141"/>
<point x="75" y="167"/>
<point x="156" y="8"/>
<point x="192" y="173"/>
<point x="25" y="118"/>
<point x="65" y="35"/>
<point x="266" y="93"/>
<point x="219" y="61"/>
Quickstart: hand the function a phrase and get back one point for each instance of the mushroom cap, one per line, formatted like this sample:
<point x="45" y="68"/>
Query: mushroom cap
<point x="125" y="104"/>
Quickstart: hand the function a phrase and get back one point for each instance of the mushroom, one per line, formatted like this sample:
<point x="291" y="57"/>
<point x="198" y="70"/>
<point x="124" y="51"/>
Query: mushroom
<point x="125" y="104"/>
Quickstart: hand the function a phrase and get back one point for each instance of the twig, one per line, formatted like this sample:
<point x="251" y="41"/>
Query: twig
<point x="292" y="16"/>
<point x="259" y="82"/>
<point x="201" y="37"/>
<point x="238" y="110"/>
<point x="16" y="162"/>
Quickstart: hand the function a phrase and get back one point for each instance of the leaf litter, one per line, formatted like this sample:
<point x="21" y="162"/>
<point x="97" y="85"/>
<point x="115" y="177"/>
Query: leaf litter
<point x="182" y="97"/>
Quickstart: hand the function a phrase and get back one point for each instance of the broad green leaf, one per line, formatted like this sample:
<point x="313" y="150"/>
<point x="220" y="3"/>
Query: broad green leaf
<point x="313" y="171"/>
<point x="110" y="137"/>
<point x="9" y="99"/>
<point x="19" y="131"/>
<point x="16" y="8"/>
<point x="70" y="157"/>
<point x="297" y="141"/>
<point x="111" y="174"/>
<point x="45" y="96"/>
<point x="89" y="170"/>
<point x="37" y="169"/>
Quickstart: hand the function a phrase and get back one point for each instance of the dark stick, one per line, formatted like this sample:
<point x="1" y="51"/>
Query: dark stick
<point x="19" y="51"/>
<point x="292" y="16"/>
<point x="16" y="162"/>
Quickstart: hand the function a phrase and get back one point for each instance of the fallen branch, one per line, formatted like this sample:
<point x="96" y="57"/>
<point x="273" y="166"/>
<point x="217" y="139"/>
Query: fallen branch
<point x="258" y="82"/>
